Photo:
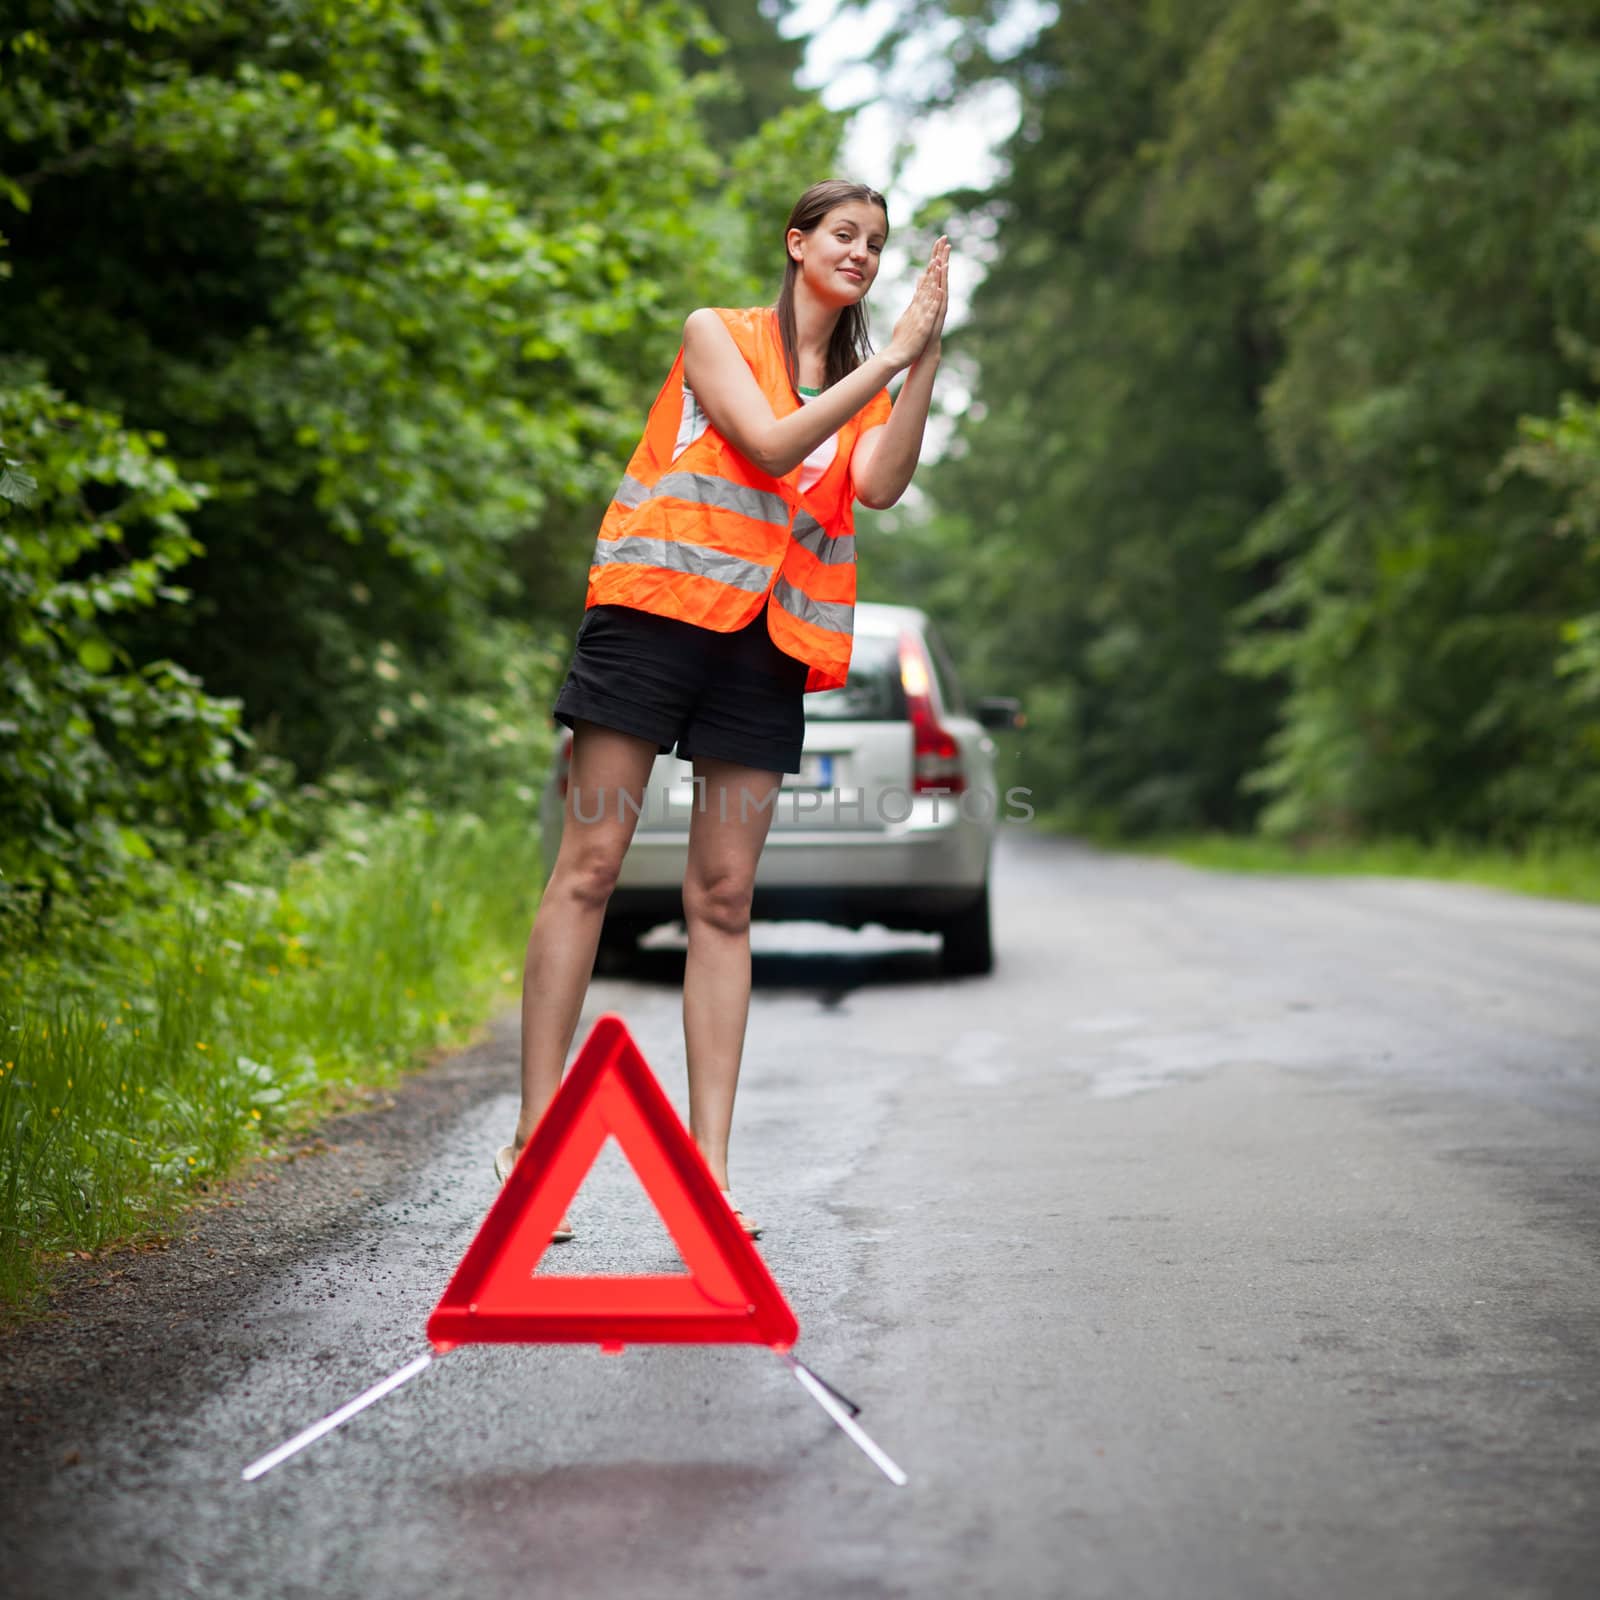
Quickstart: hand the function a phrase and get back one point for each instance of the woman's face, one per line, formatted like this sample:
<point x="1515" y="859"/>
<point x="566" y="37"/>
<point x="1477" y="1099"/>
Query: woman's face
<point x="839" y="257"/>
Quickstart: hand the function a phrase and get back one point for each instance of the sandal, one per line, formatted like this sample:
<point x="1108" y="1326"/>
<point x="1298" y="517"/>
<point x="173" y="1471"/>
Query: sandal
<point x="505" y="1159"/>
<point x="752" y="1230"/>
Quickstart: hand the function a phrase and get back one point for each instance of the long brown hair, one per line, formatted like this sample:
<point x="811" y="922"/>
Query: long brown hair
<point x="850" y="344"/>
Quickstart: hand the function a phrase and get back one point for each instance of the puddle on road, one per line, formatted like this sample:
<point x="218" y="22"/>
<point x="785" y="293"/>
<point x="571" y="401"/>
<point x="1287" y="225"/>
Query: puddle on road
<point x="1117" y="1022"/>
<point x="1140" y="1077"/>
<point x="981" y="1057"/>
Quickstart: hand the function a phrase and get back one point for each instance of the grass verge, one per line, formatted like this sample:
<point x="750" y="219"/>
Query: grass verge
<point x="1559" y="867"/>
<point x="138" y="1070"/>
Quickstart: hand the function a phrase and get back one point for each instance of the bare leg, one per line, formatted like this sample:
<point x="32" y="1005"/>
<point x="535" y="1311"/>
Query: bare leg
<point x="608" y="777"/>
<point x="733" y="811"/>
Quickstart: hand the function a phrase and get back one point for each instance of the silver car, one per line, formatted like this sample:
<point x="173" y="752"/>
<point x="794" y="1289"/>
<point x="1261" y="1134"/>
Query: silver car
<point x="890" y="820"/>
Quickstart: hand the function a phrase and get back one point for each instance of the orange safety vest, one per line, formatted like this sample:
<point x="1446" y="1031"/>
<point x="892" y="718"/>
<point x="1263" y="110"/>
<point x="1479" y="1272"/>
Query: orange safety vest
<point x="707" y="537"/>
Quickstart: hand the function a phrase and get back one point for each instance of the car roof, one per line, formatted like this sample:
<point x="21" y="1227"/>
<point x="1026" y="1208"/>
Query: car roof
<point x="876" y="618"/>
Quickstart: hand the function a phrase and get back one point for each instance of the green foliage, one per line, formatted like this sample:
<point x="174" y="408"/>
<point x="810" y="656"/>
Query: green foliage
<point x="1424" y="220"/>
<point x="1549" y="863"/>
<point x="1564" y="451"/>
<point x="747" y="71"/>
<point x="1112" y="459"/>
<point x="392" y="283"/>
<point x="1274" y="284"/>
<point x="474" y="729"/>
<point x="138" y="1069"/>
<point x="103" y="761"/>
<point x="396" y="280"/>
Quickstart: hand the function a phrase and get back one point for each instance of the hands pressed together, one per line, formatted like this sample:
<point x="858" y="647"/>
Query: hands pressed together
<point x="918" y="331"/>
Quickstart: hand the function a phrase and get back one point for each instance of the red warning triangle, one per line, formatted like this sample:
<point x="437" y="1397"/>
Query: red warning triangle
<point x="728" y="1296"/>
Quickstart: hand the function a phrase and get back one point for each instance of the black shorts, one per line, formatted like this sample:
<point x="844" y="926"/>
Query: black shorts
<point x="727" y="696"/>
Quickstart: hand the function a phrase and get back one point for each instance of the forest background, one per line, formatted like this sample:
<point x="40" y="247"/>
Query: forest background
<point x="326" y="326"/>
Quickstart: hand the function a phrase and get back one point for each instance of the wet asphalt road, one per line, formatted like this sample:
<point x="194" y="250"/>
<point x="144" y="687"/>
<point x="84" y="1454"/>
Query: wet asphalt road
<point x="1237" y="1238"/>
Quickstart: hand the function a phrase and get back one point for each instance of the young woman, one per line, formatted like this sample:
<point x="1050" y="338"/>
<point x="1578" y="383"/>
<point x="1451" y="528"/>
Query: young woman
<point x="720" y="593"/>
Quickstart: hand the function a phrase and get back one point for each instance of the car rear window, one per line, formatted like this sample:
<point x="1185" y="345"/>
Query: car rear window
<point x="872" y="693"/>
<point x="951" y="696"/>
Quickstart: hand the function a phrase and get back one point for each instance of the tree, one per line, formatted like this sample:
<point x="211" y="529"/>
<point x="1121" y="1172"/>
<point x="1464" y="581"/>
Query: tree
<point x="1113" y="457"/>
<point x="753" y="68"/>
<point x="103" y="761"/>
<point x="1274" y="284"/>
<point x="1424" y="222"/>
<point x="395" y="280"/>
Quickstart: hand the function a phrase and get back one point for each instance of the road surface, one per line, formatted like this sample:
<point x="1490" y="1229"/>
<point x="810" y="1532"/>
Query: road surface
<point x="1237" y="1238"/>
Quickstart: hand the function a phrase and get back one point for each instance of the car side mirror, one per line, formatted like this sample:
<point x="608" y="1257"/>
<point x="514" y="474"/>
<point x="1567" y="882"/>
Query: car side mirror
<point x="1000" y="711"/>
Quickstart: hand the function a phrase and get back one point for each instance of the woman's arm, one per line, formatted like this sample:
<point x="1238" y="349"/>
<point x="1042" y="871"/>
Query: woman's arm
<point x="885" y="458"/>
<point x="730" y="396"/>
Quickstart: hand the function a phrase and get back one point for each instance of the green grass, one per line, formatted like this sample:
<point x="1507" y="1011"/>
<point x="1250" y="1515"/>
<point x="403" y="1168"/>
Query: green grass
<point x="1561" y="867"/>
<point x="137" y="1071"/>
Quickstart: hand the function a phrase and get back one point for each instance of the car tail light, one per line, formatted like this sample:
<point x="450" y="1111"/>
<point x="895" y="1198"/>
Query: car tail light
<point x="935" y="756"/>
<point x="563" y="761"/>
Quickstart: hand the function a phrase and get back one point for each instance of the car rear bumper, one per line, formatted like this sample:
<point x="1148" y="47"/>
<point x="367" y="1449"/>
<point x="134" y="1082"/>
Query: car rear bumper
<point x="915" y="877"/>
<point x="908" y="858"/>
<point x="924" y="908"/>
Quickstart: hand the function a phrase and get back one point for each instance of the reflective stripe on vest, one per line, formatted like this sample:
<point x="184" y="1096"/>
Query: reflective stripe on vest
<point x="826" y="651"/>
<point x="836" y="615"/>
<point x="832" y="549"/>
<point x="706" y="489"/>
<point x="677" y="555"/>
<point x="630" y="492"/>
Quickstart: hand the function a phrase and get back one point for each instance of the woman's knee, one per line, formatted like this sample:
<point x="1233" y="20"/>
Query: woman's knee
<point x="722" y="902"/>
<point x="586" y="876"/>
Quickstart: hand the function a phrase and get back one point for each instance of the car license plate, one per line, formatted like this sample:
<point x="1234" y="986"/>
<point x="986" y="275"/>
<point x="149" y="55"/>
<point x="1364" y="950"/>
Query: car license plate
<point x="816" y="772"/>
